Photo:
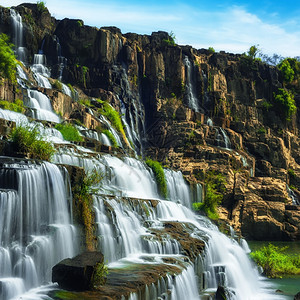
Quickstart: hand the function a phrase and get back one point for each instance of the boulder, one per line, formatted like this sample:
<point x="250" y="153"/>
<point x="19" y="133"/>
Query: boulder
<point x="297" y="296"/>
<point x="76" y="273"/>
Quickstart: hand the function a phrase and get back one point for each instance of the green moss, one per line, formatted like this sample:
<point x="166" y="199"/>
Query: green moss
<point x="275" y="263"/>
<point x="69" y="132"/>
<point x="111" y="137"/>
<point x="17" y="106"/>
<point x="261" y="130"/>
<point x="113" y="116"/>
<point x="7" y="59"/>
<point x="159" y="176"/>
<point x="27" y="140"/>
<point x="100" y="275"/>
<point x="291" y="173"/>
<point x="72" y="90"/>
<point x="86" y="102"/>
<point x="57" y="85"/>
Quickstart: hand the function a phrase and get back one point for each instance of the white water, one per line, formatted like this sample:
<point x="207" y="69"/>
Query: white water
<point x="40" y="71"/>
<point x="222" y="138"/>
<point x="41" y="107"/>
<point x="191" y="95"/>
<point x="35" y="227"/>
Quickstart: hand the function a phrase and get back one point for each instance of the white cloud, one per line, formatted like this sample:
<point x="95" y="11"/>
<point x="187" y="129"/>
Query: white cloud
<point x="233" y="29"/>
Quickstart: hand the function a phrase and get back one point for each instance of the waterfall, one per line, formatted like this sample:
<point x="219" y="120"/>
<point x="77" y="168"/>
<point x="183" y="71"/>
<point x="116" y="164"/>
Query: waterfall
<point x="35" y="226"/>
<point x="41" y="106"/>
<point x="293" y="196"/>
<point x="190" y="89"/>
<point x="222" y="138"/>
<point x="40" y="71"/>
<point x="18" y="35"/>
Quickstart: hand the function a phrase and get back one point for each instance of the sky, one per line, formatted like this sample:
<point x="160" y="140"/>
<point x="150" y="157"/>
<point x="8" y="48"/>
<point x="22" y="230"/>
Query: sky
<point x="228" y="25"/>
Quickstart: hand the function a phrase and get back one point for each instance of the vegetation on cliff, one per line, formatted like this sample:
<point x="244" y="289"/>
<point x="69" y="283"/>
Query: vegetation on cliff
<point x="27" y="140"/>
<point x="159" y="176"/>
<point x="7" y="58"/>
<point x="69" y="132"/>
<point x="285" y="103"/>
<point x="17" y="105"/>
<point x="110" y="137"/>
<point x="214" y="191"/>
<point x="275" y="263"/>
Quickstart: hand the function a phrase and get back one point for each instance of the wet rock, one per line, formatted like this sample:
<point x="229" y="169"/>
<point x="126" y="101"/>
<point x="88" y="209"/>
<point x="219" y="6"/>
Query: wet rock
<point x="297" y="296"/>
<point x="76" y="273"/>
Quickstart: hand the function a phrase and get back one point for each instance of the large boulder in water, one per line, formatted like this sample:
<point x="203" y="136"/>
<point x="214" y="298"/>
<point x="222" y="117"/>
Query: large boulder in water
<point x="297" y="296"/>
<point x="77" y="273"/>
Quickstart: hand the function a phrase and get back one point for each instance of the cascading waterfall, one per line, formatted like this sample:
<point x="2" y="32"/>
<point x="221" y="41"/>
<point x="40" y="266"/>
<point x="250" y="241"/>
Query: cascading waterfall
<point x="41" y="106"/>
<point x="40" y="71"/>
<point x="191" y="95"/>
<point x="18" y="35"/>
<point x="35" y="227"/>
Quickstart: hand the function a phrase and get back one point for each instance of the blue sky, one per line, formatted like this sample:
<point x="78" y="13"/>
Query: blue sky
<point x="228" y="25"/>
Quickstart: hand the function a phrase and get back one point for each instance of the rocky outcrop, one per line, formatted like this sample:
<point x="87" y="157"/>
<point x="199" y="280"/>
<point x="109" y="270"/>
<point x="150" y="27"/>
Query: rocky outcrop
<point x="77" y="274"/>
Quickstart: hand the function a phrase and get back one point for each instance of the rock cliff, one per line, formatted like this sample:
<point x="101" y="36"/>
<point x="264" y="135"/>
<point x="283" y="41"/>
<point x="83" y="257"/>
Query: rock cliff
<point x="190" y="109"/>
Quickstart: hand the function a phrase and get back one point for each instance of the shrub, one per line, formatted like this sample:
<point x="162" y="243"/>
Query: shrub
<point x="214" y="190"/>
<point x="27" y="140"/>
<point x="111" y="137"/>
<point x="159" y="176"/>
<point x="285" y="103"/>
<point x="41" y="6"/>
<point x="287" y="71"/>
<point x="7" y="59"/>
<point x="69" y="132"/>
<point x="275" y="263"/>
<point x="57" y="85"/>
<point x="17" y="106"/>
<point x="113" y="116"/>
<point x="171" y="39"/>
<point x="211" y="50"/>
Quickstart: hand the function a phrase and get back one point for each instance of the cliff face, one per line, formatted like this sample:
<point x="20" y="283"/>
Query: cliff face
<point x="192" y="110"/>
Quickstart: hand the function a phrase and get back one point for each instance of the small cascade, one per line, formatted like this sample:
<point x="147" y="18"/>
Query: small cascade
<point x="177" y="188"/>
<point x="205" y="86"/>
<point x="35" y="226"/>
<point x="41" y="107"/>
<point x="209" y="122"/>
<point x="9" y="115"/>
<point x="40" y="71"/>
<point x="103" y="120"/>
<point x="198" y="193"/>
<point x="18" y="35"/>
<point x="66" y="90"/>
<point x="293" y="196"/>
<point x="190" y="89"/>
<point x="222" y="138"/>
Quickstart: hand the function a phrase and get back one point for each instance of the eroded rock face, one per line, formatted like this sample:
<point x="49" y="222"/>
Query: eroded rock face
<point x="76" y="273"/>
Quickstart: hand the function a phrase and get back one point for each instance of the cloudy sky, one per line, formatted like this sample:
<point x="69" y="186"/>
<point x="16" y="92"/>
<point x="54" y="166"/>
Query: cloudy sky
<point x="228" y="25"/>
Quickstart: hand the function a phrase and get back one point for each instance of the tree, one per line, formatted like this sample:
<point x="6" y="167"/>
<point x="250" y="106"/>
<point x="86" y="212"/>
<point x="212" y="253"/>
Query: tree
<point x="285" y="103"/>
<point x="287" y="71"/>
<point x="7" y="58"/>
<point x="253" y="51"/>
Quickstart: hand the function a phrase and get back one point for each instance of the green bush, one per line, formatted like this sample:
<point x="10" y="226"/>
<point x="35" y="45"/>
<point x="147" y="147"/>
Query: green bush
<point x="287" y="71"/>
<point x="69" y="132"/>
<point x="17" y="106"/>
<point x="159" y="176"/>
<point x="41" y="6"/>
<point x="214" y="190"/>
<point x="285" y="103"/>
<point x="7" y="59"/>
<point x="171" y="39"/>
<point x="275" y="263"/>
<point x="27" y="140"/>
<point x="113" y="116"/>
<point x="57" y="85"/>
<point x="211" y="50"/>
<point x="111" y="137"/>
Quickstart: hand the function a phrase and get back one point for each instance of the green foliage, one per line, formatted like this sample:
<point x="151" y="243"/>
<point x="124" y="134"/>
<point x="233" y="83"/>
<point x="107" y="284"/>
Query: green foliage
<point x="57" y="85"/>
<point x="69" y="132"/>
<point x="275" y="263"/>
<point x="211" y="50"/>
<point x="266" y="105"/>
<point x="80" y="23"/>
<point x="171" y="39"/>
<point x="159" y="176"/>
<point x="214" y="190"/>
<point x="99" y="276"/>
<point x="111" y="137"/>
<point x="113" y="116"/>
<point x="261" y="130"/>
<point x="291" y="173"/>
<point x="86" y="102"/>
<point x="253" y="52"/>
<point x="287" y="71"/>
<point x="41" y="6"/>
<point x="17" y="106"/>
<point x="7" y="59"/>
<point x="285" y="103"/>
<point x="27" y="140"/>
<point x="72" y="90"/>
